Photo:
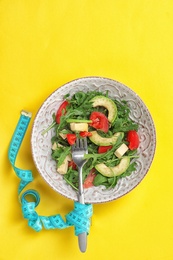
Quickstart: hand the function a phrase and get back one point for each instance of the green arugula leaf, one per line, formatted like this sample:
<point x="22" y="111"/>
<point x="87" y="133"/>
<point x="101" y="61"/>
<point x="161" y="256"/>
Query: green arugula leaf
<point x="65" y="152"/>
<point x="80" y="108"/>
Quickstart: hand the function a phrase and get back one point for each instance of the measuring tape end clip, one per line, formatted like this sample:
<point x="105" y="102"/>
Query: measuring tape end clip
<point x="26" y="113"/>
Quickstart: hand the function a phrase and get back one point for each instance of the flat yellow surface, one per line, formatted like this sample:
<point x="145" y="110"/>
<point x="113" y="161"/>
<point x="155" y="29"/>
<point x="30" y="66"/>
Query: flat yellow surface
<point x="44" y="44"/>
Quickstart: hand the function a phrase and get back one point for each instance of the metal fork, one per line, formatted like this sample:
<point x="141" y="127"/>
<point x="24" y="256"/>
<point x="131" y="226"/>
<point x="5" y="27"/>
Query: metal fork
<point x="79" y="149"/>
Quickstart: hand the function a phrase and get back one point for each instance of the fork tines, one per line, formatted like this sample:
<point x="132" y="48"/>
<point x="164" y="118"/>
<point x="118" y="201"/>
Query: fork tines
<point x="81" y="143"/>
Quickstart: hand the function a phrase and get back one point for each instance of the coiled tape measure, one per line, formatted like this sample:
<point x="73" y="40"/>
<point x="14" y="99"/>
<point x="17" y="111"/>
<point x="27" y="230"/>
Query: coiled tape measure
<point x="79" y="217"/>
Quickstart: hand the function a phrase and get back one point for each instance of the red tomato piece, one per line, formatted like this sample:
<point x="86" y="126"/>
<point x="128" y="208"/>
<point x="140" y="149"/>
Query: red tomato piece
<point x="61" y="111"/>
<point x="133" y="139"/>
<point x="71" y="138"/>
<point x="89" y="179"/>
<point x="85" y="134"/>
<point x="72" y="164"/>
<point x="104" y="149"/>
<point x="99" y="121"/>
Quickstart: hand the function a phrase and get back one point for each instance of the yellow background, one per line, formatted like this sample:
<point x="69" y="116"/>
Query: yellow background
<point x="44" y="44"/>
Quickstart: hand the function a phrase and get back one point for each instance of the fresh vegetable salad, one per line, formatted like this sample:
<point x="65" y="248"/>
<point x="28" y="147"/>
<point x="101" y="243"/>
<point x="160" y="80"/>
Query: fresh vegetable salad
<point x="111" y="135"/>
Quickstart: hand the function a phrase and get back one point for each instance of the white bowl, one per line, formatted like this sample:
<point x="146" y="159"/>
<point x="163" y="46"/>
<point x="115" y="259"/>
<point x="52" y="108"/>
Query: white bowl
<point x="41" y="145"/>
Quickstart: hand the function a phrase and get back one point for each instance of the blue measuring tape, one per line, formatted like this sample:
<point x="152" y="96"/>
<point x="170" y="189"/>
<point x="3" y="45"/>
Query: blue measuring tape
<point x="79" y="217"/>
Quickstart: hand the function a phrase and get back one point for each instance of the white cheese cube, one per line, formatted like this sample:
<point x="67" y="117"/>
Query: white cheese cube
<point x="79" y="127"/>
<point x="62" y="169"/>
<point x="63" y="135"/>
<point x="121" y="150"/>
<point x="54" y="146"/>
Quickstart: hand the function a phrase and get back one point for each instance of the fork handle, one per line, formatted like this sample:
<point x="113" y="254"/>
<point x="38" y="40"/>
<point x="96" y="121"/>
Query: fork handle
<point x="81" y="198"/>
<point x="81" y="191"/>
<point x="82" y="238"/>
<point x="82" y="241"/>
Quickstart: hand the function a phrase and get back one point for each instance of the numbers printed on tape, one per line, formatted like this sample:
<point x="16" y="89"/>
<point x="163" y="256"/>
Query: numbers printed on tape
<point x="79" y="217"/>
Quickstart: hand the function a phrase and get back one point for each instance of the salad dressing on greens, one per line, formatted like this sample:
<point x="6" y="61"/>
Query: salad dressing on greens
<point x="111" y="135"/>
